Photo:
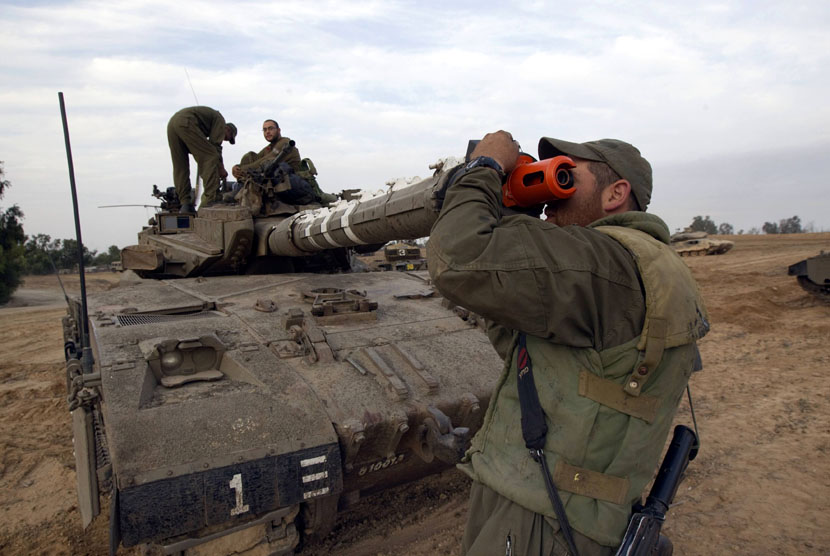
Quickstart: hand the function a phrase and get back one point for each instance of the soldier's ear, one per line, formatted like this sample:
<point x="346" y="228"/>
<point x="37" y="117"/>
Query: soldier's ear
<point x="615" y="196"/>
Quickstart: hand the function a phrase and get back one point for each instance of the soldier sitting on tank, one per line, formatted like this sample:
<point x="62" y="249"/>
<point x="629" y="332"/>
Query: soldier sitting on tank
<point x="275" y="176"/>
<point x="276" y="142"/>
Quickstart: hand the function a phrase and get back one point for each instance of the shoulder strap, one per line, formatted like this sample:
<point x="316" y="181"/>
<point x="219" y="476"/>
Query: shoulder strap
<point x="535" y="430"/>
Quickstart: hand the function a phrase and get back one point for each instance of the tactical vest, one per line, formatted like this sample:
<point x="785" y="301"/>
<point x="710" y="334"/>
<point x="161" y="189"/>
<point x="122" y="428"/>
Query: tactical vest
<point x="307" y="171"/>
<point x="609" y="412"/>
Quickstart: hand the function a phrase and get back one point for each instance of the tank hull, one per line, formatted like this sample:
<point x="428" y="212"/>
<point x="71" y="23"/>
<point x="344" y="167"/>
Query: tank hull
<point x="813" y="275"/>
<point x="241" y="402"/>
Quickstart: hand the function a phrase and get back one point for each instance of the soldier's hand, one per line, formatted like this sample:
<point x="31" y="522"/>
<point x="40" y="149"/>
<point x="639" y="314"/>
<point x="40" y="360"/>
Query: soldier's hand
<point x="236" y="171"/>
<point x="222" y="172"/>
<point x="501" y="147"/>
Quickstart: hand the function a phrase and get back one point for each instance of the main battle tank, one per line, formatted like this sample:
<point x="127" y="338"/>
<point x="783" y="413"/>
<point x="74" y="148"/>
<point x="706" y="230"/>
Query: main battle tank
<point x="690" y="244"/>
<point x="237" y="413"/>
<point x="813" y="274"/>
<point x="398" y="255"/>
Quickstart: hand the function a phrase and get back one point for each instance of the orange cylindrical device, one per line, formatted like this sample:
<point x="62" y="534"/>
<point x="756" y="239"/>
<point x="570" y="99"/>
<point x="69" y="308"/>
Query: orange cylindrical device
<point x="533" y="183"/>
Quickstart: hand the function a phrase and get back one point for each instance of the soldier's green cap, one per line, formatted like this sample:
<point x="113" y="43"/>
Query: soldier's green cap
<point x="625" y="159"/>
<point x="232" y="127"/>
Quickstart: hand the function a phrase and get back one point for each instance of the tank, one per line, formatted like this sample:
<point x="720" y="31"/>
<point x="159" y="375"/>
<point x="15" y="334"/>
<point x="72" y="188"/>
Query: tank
<point x="241" y="412"/>
<point x="397" y="255"/>
<point x="813" y="275"/>
<point x="690" y="244"/>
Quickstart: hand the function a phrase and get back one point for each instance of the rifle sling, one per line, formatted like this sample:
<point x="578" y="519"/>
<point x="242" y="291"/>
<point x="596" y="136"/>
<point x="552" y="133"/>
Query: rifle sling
<point x="534" y="431"/>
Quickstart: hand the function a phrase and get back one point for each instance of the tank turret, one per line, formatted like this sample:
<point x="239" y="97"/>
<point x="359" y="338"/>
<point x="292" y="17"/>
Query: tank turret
<point x="234" y="239"/>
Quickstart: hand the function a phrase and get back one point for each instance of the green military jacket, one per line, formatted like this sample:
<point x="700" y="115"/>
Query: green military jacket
<point x="604" y="307"/>
<point x="210" y="122"/>
<point x="258" y="160"/>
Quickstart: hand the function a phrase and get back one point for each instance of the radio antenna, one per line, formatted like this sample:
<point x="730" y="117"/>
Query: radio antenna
<point x="198" y="178"/>
<point x="86" y="357"/>
<point x="191" y="86"/>
<point x="118" y="206"/>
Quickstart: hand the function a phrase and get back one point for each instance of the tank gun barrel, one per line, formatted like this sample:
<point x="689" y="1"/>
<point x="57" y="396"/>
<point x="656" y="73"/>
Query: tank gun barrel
<point x="403" y="213"/>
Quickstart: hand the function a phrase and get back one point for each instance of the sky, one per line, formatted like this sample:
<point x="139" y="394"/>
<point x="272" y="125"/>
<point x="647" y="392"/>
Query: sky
<point x="726" y="99"/>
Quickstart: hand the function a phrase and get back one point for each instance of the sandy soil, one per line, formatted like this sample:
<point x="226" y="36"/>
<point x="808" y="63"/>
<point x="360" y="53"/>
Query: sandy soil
<point x="759" y="486"/>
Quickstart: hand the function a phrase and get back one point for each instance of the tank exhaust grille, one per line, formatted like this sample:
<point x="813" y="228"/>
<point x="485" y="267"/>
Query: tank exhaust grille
<point x="137" y="319"/>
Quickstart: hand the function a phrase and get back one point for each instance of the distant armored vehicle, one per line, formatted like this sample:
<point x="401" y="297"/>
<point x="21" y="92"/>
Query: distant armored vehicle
<point x="399" y="255"/>
<point x="234" y="413"/>
<point x="689" y="244"/>
<point x="813" y="274"/>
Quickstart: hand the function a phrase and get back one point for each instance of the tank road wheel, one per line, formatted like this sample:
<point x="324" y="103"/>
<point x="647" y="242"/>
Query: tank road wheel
<point x="317" y="516"/>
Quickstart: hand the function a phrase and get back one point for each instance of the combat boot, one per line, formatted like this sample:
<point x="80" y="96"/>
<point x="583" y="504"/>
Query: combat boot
<point x="187" y="208"/>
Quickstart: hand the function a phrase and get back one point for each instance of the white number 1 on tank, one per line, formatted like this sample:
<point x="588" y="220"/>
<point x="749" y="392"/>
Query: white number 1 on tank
<point x="236" y="485"/>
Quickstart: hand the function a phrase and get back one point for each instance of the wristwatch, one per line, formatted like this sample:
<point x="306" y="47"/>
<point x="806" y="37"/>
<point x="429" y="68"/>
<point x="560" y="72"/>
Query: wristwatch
<point x="484" y="162"/>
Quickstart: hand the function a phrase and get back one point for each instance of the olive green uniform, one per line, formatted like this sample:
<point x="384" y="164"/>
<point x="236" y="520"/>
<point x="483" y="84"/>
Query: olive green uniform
<point x="256" y="161"/>
<point x="598" y="304"/>
<point x="198" y="130"/>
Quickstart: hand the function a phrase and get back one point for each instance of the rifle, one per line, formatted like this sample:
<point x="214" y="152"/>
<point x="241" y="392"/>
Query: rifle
<point x="642" y="538"/>
<point x="269" y="170"/>
<point x="277" y="181"/>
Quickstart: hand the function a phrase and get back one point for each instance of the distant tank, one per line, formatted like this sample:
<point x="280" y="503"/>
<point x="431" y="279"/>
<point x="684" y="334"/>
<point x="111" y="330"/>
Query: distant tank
<point x="398" y="255"/>
<point x="813" y="274"/>
<point x="689" y="244"/>
<point x="233" y="413"/>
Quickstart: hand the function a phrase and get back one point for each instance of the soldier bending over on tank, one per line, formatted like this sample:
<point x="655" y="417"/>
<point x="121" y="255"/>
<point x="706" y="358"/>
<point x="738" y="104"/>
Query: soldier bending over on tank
<point x="198" y="130"/>
<point x="610" y="317"/>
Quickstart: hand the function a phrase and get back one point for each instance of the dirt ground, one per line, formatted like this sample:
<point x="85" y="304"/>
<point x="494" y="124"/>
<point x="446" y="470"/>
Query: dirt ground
<point x="759" y="486"/>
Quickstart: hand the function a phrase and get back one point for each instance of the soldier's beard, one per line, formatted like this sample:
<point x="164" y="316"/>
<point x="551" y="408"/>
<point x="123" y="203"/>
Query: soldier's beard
<point x="575" y="212"/>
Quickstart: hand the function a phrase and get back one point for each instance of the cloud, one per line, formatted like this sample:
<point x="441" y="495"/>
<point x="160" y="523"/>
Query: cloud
<point x="745" y="189"/>
<point x="376" y="90"/>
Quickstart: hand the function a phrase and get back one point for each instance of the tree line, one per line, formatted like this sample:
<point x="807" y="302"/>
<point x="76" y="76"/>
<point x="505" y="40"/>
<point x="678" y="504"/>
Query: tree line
<point x="11" y="244"/>
<point x="40" y="248"/>
<point x="20" y="254"/>
<point x="790" y="225"/>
